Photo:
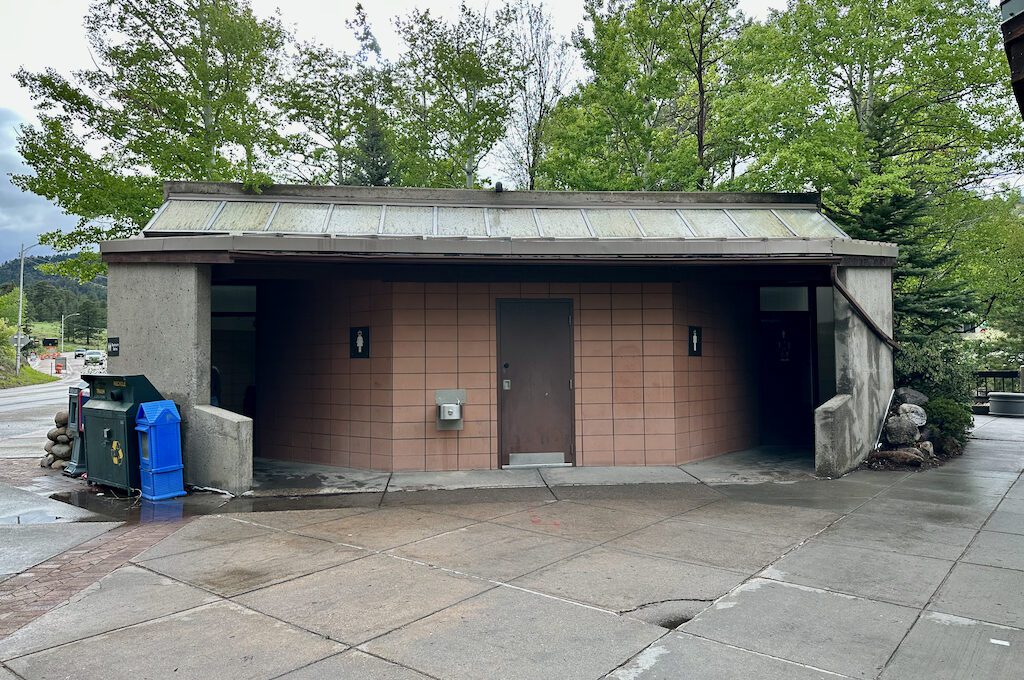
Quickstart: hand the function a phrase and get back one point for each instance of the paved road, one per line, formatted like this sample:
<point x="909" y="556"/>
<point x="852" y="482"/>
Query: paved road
<point x="26" y="412"/>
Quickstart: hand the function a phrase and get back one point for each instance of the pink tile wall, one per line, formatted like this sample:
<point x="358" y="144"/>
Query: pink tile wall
<point x="715" y="394"/>
<point x="639" y="399"/>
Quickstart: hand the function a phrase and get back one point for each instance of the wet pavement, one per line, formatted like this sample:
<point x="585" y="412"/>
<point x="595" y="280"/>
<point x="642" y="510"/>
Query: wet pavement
<point x="749" y="572"/>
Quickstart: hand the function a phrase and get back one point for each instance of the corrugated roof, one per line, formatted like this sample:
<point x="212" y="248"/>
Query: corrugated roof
<point x="196" y="214"/>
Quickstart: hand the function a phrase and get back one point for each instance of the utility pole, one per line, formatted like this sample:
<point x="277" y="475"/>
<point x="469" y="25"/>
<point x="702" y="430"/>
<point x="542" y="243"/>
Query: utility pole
<point x="62" y="318"/>
<point x="21" y="306"/>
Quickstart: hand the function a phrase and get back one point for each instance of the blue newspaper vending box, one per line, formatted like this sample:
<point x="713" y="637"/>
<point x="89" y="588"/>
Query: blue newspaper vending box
<point x="161" y="471"/>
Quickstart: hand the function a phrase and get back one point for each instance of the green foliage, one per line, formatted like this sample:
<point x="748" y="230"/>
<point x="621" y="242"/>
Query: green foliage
<point x="455" y="82"/>
<point x="938" y="369"/>
<point x="9" y="306"/>
<point x="998" y="352"/>
<point x="651" y="115"/>
<point x="948" y="419"/>
<point x="7" y="355"/>
<point x="179" y="91"/>
<point x="892" y="110"/>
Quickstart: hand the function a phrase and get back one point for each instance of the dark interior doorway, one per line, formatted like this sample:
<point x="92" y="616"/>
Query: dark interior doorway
<point x="535" y="391"/>
<point x="786" y="358"/>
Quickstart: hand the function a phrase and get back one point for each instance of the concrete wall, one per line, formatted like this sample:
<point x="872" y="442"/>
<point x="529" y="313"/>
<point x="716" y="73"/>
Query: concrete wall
<point x="639" y="399"/>
<point x="161" y="313"/>
<point x="864" y="371"/>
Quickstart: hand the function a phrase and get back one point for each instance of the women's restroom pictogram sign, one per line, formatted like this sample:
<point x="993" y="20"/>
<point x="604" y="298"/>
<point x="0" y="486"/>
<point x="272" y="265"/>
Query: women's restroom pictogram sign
<point x="359" y="342"/>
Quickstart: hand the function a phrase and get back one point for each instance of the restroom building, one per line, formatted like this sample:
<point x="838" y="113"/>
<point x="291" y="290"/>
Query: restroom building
<point x="404" y="329"/>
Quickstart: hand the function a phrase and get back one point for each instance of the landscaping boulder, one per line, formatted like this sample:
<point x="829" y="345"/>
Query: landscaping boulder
<point x="926" y="448"/>
<point x="47" y="460"/>
<point x="58" y="464"/>
<point x="61" y="451"/>
<point x="53" y="434"/>
<point x="63" y="439"/>
<point x="61" y="419"/>
<point x="908" y="395"/>
<point x="48" y="446"/>
<point x="900" y="430"/>
<point x="904" y="456"/>
<point x="915" y="413"/>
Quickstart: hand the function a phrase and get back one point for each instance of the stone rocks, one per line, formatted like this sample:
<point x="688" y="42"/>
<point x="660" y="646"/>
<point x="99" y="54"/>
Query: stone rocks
<point x="903" y="456"/>
<point x="908" y="395"/>
<point x="927" y="449"/>
<point x="900" y="430"/>
<point x="58" y="444"/>
<point x="915" y="413"/>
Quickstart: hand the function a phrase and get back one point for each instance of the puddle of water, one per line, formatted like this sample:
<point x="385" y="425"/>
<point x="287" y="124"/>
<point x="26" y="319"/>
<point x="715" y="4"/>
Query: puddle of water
<point x="140" y="510"/>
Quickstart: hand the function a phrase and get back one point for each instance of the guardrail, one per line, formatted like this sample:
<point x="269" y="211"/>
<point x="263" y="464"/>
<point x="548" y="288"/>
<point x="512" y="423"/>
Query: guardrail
<point x="995" y="381"/>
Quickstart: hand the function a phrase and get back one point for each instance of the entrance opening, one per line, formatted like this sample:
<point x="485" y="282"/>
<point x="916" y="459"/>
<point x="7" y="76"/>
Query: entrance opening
<point x="233" y="348"/>
<point x="535" y="391"/>
<point x="787" y="377"/>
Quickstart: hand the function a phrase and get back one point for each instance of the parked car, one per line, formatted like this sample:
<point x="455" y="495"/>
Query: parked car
<point x="94" y="356"/>
<point x="80" y="353"/>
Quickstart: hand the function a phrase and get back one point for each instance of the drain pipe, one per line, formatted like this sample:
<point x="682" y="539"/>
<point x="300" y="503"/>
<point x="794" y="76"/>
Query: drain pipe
<point x="881" y="425"/>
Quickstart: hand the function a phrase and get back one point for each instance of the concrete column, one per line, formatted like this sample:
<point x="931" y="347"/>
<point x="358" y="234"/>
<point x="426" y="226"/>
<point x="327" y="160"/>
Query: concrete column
<point x="161" y="313"/>
<point x="864" y="371"/>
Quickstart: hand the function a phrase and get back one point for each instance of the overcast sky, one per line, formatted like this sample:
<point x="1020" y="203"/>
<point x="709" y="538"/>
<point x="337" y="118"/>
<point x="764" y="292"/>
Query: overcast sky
<point x="49" y="33"/>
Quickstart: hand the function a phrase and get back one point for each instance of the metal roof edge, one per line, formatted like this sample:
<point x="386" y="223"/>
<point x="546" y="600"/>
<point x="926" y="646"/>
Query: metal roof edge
<point x="479" y="197"/>
<point x="865" y="248"/>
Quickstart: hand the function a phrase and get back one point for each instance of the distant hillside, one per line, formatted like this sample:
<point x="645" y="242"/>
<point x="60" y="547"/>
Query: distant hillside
<point x="9" y="277"/>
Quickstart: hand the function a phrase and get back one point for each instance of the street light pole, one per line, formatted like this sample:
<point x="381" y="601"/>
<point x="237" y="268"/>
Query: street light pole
<point x="21" y="306"/>
<point x="62" y="317"/>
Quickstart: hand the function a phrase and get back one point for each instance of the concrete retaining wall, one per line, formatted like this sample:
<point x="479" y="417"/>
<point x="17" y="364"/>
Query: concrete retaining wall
<point x="864" y="373"/>
<point x="161" y="313"/>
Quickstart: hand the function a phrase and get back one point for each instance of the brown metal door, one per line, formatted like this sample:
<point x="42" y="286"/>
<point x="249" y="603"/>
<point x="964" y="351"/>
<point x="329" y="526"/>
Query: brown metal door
<point x="535" y="371"/>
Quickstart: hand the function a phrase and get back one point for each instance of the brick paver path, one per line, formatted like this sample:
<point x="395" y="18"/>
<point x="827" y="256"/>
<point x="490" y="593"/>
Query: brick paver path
<point x="30" y="594"/>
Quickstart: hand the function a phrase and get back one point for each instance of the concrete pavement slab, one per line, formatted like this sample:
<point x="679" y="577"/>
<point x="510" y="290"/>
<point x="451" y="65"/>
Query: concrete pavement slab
<point x="203" y="532"/>
<point x="385" y="528"/>
<point x="221" y="640"/>
<point x="124" y="597"/>
<point x="680" y="655"/>
<point x="478" y="504"/>
<point x="1017" y="490"/>
<point x="464" y="479"/>
<point x="894" y="510"/>
<point x="997" y="550"/>
<point x="984" y="593"/>
<point x="839" y="633"/>
<point x="615" y="476"/>
<point x="286" y="520"/>
<point x="755" y="466"/>
<point x="1000" y="428"/>
<point x="834" y="496"/>
<point x="356" y="665"/>
<point x="18" y="506"/>
<point x="701" y="544"/>
<point x="965" y="484"/>
<point x="360" y="600"/>
<point x="7" y="675"/>
<point x="288" y="478"/>
<point x="910" y="536"/>
<point x="944" y="647"/>
<point x="878" y="575"/>
<point x="785" y="520"/>
<point x="981" y="501"/>
<point x="232" y="568"/>
<point x="577" y="522"/>
<point x="659" y="500"/>
<point x="1008" y="517"/>
<point x="652" y="589"/>
<point x="491" y="551"/>
<point x="515" y="635"/>
<point x="26" y="545"/>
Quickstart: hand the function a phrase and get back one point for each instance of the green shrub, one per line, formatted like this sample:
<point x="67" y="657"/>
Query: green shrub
<point x="948" y="420"/>
<point x="939" y="368"/>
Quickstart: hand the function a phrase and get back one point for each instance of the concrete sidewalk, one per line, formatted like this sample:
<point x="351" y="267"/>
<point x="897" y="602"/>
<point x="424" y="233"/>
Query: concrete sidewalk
<point x="879" y="574"/>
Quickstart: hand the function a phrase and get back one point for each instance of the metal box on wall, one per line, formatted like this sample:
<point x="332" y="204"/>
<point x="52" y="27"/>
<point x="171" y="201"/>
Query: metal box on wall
<point x="110" y="437"/>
